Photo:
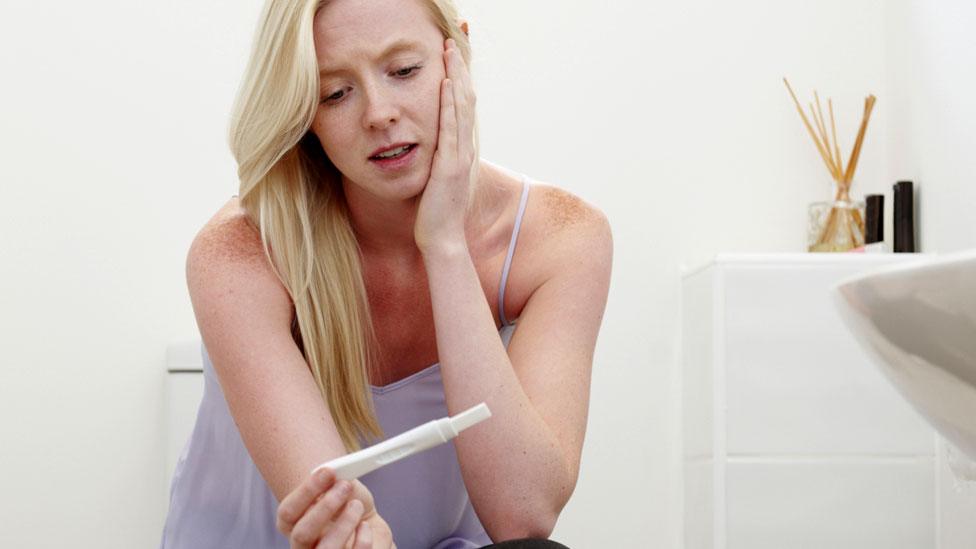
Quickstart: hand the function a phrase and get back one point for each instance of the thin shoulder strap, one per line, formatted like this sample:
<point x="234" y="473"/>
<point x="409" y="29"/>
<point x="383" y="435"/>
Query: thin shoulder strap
<point x="511" y="250"/>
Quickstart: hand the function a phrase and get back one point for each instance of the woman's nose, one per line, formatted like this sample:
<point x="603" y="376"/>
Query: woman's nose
<point x="381" y="109"/>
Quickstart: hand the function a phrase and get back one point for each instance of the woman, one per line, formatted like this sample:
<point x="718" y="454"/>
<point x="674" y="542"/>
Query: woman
<point x="363" y="284"/>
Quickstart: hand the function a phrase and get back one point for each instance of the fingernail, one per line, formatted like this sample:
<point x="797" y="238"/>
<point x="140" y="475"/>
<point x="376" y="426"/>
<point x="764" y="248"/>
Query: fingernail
<point x="322" y="477"/>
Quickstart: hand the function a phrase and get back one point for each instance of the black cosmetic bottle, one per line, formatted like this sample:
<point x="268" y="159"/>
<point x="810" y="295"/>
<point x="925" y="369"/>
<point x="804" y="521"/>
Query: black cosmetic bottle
<point x="904" y="217"/>
<point x="874" y="218"/>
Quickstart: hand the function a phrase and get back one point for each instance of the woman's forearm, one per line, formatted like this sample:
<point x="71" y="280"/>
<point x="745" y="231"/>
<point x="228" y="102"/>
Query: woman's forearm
<point x="514" y="467"/>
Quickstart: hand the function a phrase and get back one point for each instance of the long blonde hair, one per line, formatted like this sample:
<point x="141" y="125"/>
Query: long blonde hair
<point x="292" y="193"/>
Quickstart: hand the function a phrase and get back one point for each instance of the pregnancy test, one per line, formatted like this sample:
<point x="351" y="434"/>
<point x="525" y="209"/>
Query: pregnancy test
<point x="416" y="440"/>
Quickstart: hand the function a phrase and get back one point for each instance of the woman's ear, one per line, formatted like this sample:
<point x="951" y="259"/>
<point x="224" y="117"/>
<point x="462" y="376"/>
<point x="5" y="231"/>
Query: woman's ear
<point x="464" y="26"/>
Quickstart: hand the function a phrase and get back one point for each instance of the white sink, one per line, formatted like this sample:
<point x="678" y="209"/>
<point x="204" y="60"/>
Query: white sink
<point x="918" y="321"/>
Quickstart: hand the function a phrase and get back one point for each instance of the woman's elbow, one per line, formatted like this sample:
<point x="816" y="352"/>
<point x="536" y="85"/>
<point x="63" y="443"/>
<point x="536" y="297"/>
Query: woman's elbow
<point x="534" y="519"/>
<point x="525" y="524"/>
<point x="523" y="528"/>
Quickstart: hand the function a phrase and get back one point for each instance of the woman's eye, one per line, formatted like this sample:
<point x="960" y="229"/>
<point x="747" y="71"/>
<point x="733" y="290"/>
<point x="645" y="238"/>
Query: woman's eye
<point x="334" y="97"/>
<point x="406" y="71"/>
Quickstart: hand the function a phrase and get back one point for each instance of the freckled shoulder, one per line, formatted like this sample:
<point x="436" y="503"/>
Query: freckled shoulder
<point x="229" y="235"/>
<point x="563" y="211"/>
<point x="558" y="228"/>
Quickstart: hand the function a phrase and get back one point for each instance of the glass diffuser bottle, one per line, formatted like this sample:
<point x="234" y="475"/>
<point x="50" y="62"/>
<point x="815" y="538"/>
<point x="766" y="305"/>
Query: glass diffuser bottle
<point x="837" y="225"/>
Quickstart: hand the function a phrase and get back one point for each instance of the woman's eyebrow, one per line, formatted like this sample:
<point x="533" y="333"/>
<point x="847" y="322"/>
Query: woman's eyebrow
<point x="395" y="47"/>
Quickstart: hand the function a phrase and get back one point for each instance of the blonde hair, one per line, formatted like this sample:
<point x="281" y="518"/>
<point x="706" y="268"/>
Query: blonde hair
<point x="292" y="193"/>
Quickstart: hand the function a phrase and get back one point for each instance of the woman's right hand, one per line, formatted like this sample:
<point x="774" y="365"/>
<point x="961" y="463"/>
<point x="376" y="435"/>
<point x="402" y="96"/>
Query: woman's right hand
<point x="324" y="513"/>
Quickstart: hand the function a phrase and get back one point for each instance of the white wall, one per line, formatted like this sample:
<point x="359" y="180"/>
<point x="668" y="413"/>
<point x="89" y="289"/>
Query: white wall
<point x="932" y="81"/>
<point x="674" y="119"/>
<point x="671" y="117"/>
<point x="112" y="136"/>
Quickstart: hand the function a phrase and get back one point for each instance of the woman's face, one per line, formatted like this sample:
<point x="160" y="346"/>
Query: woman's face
<point x="381" y="64"/>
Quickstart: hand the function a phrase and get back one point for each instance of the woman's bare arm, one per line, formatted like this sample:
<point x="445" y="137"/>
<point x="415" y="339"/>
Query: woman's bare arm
<point x="244" y="315"/>
<point x="521" y="466"/>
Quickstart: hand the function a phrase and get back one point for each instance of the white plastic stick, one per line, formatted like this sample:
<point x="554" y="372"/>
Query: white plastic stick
<point x="416" y="440"/>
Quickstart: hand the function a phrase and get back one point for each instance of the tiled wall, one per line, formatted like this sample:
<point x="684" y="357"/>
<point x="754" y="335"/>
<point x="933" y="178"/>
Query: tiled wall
<point x="956" y="516"/>
<point x="792" y="437"/>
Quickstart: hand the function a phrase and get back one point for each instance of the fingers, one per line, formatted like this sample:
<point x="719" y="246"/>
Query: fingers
<point x="298" y="501"/>
<point x="463" y="101"/>
<point x="447" y="138"/>
<point x="324" y="511"/>
<point x="364" y="536"/>
<point x="344" y="526"/>
<point x="457" y="83"/>
<point x="461" y="75"/>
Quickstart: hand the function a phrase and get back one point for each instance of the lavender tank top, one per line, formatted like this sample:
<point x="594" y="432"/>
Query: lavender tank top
<point x="218" y="498"/>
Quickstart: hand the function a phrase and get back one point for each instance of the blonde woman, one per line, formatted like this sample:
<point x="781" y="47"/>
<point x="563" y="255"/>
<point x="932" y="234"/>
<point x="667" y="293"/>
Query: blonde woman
<point x="365" y="281"/>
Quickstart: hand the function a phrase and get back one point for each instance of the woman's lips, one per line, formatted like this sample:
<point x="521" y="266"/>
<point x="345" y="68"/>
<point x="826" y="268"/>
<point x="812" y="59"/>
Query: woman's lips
<point x="396" y="162"/>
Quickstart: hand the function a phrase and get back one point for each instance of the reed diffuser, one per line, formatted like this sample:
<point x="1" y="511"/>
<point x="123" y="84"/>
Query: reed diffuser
<point x="836" y="226"/>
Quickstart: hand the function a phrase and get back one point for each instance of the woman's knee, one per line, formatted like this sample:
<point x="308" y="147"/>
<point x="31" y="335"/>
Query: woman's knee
<point x="527" y="544"/>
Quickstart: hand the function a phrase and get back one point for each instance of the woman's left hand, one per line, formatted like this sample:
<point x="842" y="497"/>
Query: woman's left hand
<point x="444" y="203"/>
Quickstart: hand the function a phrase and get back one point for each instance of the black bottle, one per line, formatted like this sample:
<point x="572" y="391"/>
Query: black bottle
<point x="904" y="217"/>
<point x="873" y="218"/>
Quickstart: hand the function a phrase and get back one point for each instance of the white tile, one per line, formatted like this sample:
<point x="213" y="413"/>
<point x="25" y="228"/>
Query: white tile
<point x="697" y="364"/>
<point x="185" y="355"/>
<point x="821" y="504"/>
<point x="957" y="505"/>
<point x="699" y="506"/>
<point x="797" y="381"/>
<point x="184" y="391"/>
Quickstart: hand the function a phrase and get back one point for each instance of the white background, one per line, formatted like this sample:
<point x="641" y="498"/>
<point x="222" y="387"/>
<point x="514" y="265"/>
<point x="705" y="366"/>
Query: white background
<point x="671" y="117"/>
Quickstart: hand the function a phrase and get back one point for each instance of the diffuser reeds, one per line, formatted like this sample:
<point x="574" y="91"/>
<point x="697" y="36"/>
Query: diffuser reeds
<point x="841" y="217"/>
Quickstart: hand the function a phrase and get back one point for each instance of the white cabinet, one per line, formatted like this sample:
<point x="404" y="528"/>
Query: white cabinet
<point x="184" y="390"/>
<point x="791" y="436"/>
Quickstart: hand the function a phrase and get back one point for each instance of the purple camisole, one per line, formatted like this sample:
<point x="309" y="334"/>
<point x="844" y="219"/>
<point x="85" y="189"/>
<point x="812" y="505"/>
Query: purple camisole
<point x="218" y="498"/>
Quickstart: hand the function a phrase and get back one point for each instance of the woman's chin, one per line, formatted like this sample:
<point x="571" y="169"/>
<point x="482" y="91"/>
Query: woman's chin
<point x="401" y="188"/>
<point x="413" y="187"/>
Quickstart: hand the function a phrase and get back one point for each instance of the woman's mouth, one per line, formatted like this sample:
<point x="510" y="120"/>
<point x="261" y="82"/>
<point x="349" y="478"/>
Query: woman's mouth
<point x="396" y="157"/>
